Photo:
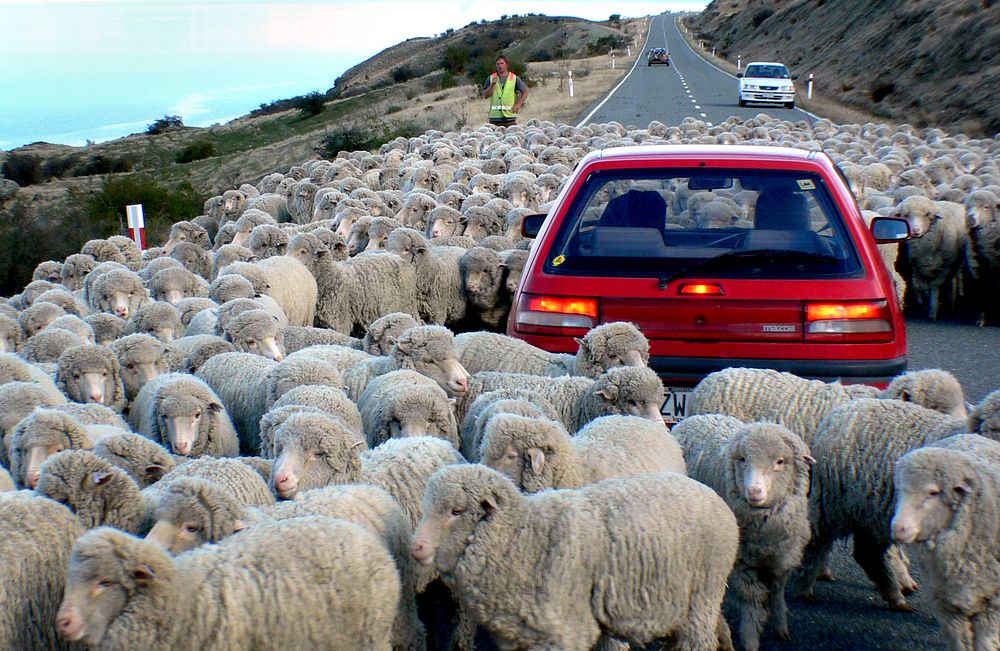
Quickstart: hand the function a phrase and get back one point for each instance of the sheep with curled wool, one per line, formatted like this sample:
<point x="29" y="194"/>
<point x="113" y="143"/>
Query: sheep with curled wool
<point x="176" y="603"/>
<point x="75" y="268"/>
<point x="267" y="240"/>
<point x="91" y="373"/>
<point x="608" y="345"/>
<point x="36" y="537"/>
<point x="946" y="515"/>
<point x="600" y="580"/>
<point x="240" y="382"/>
<point x="158" y="319"/>
<point x="76" y="325"/>
<point x="101" y="494"/>
<point x="762" y="471"/>
<point x="508" y="401"/>
<point x="538" y="454"/>
<point x="314" y="399"/>
<point x="628" y="390"/>
<point x="357" y="291"/>
<point x="856" y="447"/>
<point x="186" y="231"/>
<point x="49" y="344"/>
<point x="194" y="258"/>
<point x="175" y="283"/>
<point x="142" y="459"/>
<point x="440" y="288"/>
<point x="255" y="331"/>
<point x="193" y="512"/>
<point x="141" y="358"/>
<point x="405" y="403"/>
<point x="185" y="414"/>
<point x="119" y="292"/>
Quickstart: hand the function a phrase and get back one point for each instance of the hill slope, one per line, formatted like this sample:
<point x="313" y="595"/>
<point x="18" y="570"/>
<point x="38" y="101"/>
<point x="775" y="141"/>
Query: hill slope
<point x="927" y="62"/>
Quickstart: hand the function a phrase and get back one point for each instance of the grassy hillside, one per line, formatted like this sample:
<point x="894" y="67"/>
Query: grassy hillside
<point x="927" y="62"/>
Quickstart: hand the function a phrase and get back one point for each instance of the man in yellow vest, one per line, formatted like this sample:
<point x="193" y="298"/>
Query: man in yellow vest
<point x="506" y="92"/>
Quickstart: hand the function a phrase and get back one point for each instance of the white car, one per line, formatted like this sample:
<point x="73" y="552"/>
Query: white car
<point x="766" y="82"/>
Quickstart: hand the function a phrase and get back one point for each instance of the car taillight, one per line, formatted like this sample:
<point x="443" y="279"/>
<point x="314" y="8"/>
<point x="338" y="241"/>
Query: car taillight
<point x="569" y="315"/>
<point x="849" y="321"/>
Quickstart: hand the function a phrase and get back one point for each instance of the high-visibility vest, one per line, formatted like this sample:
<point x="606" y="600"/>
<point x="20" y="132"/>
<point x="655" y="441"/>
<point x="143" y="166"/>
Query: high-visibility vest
<point x="502" y="102"/>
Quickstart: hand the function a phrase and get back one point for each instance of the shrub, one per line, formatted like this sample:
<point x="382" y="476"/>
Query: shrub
<point x="448" y="80"/>
<point x="366" y="135"/>
<point x="403" y="74"/>
<point x="881" y="91"/>
<point x="101" y="164"/>
<point x="162" y="205"/>
<point x="761" y="16"/>
<point x="23" y="169"/>
<point x="605" y="43"/>
<point x="196" y="151"/>
<point x="455" y="58"/>
<point x="310" y="104"/>
<point x="164" y="124"/>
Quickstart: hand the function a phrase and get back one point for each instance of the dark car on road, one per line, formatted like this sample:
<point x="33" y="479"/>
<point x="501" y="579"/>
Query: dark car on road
<point x="658" y="55"/>
<point x="723" y="256"/>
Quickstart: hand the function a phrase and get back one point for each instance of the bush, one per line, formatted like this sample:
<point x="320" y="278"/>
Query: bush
<point x="101" y="164"/>
<point x="403" y="74"/>
<point x="164" y="124"/>
<point x="310" y="104"/>
<point x="761" y="16"/>
<point x="162" y="205"/>
<point x="365" y="136"/>
<point x="606" y="43"/>
<point x="448" y="80"/>
<point x="23" y="169"/>
<point x="882" y="90"/>
<point x="196" y="151"/>
<point x="455" y="58"/>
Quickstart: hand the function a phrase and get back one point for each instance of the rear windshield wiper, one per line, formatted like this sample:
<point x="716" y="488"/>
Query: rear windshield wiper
<point x="782" y="255"/>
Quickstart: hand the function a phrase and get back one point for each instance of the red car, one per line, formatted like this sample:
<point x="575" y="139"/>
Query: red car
<point x="723" y="256"/>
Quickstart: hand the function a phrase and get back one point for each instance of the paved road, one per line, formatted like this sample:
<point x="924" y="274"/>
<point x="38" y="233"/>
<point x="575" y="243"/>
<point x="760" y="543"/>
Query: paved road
<point x="689" y="87"/>
<point x="850" y="616"/>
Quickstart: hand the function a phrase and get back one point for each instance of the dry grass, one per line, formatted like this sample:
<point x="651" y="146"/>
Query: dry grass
<point x="820" y="105"/>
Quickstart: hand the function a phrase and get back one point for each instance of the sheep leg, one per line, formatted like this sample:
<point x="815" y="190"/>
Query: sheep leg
<point x="779" y="608"/>
<point x="901" y="568"/>
<point x="724" y="635"/>
<point x="607" y="643"/>
<point x="986" y="630"/>
<point x="748" y="584"/>
<point x="872" y="556"/>
<point x="933" y="302"/>
<point x="701" y="628"/>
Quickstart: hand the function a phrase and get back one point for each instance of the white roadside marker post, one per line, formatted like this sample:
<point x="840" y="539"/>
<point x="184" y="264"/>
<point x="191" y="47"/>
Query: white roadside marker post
<point x="137" y="225"/>
<point x="570" y="83"/>
<point x="809" y="87"/>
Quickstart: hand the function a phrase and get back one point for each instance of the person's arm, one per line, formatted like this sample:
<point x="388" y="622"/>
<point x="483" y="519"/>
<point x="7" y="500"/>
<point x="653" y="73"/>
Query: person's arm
<point x="490" y="83"/>
<point x="522" y="94"/>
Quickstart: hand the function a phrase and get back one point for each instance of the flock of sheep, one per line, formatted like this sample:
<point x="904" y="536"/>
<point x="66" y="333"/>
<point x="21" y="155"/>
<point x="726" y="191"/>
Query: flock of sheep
<point x="277" y="400"/>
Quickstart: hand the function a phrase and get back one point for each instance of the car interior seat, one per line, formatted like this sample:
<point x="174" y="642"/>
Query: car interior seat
<point x="781" y="210"/>
<point x="636" y="208"/>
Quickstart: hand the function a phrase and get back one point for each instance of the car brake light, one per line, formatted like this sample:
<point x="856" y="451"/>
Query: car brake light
<point x="701" y="289"/>
<point x="864" y="321"/>
<point x="555" y="314"/>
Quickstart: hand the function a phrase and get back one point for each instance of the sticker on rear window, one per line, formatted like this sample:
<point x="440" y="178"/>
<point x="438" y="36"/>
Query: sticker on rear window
<point x="558" y="260"/>
<point x="806" y="184"/>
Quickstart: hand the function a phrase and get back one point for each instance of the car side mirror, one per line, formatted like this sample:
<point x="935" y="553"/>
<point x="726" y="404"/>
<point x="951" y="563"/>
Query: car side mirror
<point x="532" y="224"/>
<point x="887" y="230"/>
<point x="795" y="76"/>
<point x="739" y="75"/>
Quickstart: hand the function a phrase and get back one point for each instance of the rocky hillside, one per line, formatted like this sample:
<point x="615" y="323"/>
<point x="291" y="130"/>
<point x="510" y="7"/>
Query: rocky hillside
<point x="926" y="62"/>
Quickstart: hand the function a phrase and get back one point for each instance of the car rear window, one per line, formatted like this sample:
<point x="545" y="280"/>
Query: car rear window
<point x="767" y="72"/>
<point x="752" y="224"/>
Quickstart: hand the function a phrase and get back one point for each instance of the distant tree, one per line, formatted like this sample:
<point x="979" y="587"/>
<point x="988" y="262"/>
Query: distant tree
<point x="310" y="104"/>
<point x="164" y="124"/>
<point x="615" y="18"/>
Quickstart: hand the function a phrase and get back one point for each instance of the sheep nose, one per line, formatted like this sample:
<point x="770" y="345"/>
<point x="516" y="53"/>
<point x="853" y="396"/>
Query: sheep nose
<point x="68" y="623"/>
<point x="96" y="397"/>
<point x="903" y="532"/>
<point x="436" y="233"/>
<point x="755" y="493"/>
<point x="32" y="479"/>
<point x="122" y="311"/>
<point x="183" y="447"/>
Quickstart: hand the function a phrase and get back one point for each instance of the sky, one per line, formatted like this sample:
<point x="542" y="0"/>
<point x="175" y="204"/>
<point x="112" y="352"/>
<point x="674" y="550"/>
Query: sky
<point x="79" y="70"/>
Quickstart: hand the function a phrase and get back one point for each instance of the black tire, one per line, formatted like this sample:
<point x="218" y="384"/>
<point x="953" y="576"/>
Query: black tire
<point x="789" y="105"/>
<point x="743" y="103"/>
<point x="648" y="64"/>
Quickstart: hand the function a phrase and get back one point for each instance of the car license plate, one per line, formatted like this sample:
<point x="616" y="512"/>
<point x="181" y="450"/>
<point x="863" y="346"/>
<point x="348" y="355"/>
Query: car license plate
<point x="675" y="406"/>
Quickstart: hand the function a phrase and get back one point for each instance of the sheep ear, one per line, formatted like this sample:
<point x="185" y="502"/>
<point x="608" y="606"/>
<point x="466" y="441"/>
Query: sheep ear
<point x="95" y="479"/>
<point x="143" y="574"/>
<point x="153" y="473"/>
<point x="537" y="458"/>
<point x="808" y="458"/>
<point x="579" y="341"/>
<point x="240" y="525"/>
<point x="605" y="393"/>
<point x="963" y="486"/>
<point x="490" y="502"/>
<point x="214" y="407"/>
<point x="905" y="396"/>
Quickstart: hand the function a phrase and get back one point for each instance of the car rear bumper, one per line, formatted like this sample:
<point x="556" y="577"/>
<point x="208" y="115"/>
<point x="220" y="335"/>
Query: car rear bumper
<point x="690" y="370"/>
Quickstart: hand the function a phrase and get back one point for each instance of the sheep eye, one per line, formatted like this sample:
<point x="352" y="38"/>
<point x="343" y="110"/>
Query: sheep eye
<point x="76" y="376"/>
<point x="191" y="528"/>
<point x="934" y="492"/>
<point x="779" y="462"/>
<point x="251" y="342"/>
<point x="104" y="374"/>
<point x="742" y="459"/>
<point x="104" y="584"/>
<point x="456" y="511"/>
<point x="130" y="367"/>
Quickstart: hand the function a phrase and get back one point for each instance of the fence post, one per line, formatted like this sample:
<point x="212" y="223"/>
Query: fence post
<point x="739" y="61"/>
<point x="612" y="62"/>
<point x="571" y="83"/>
<point x="809" y="87"/>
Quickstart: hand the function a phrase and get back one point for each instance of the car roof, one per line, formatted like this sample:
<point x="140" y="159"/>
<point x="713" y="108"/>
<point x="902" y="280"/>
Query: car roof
<point x="766" y="63"/>
<point x="714" y="152"/>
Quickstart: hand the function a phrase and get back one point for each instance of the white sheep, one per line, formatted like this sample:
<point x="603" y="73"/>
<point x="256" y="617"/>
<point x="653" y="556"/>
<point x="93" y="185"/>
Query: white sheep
<point x="405" y="403"/>
<point x="982" y="210"/>
<point x="605" y="573"/>
<point x="439" y="284"/>
<point x="345" y="590"/>
<point x="761" y="470"/>
<point x="946" y="514"/>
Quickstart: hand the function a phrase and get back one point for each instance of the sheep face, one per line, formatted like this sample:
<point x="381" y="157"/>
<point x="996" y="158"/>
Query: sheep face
<point x="122" y="301"/>
<point x="345" y="222"/>
<point x="761" y="468"/>
<point x="454" y="504"/>
<point x="630" y="391"/>
<point x="931" y="485"/>
<point x="92" y="383"/>
<point x="445" y="222"/>
<point x="313" y="454"/>
<point x="37" y="438"/>
<point x="611" y="346"/>
<point x="437" y="360"/>
<point x="193" y="512"/>
<point x="422" y="412"/>
<point x="9" y="335"/>
<point x="185" y="423"/>
<point x="139" y="369"/>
